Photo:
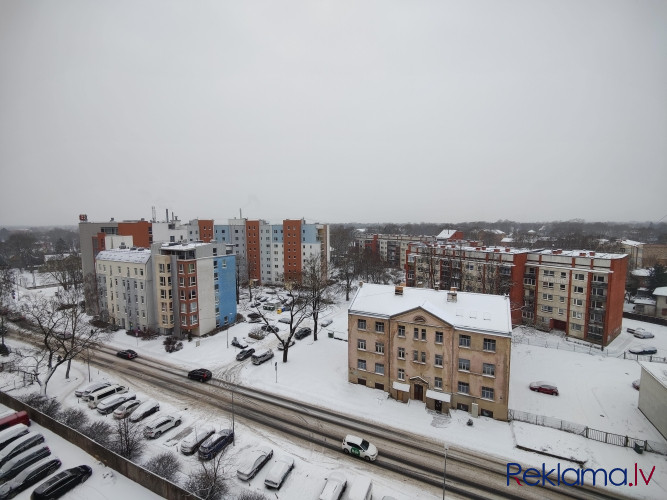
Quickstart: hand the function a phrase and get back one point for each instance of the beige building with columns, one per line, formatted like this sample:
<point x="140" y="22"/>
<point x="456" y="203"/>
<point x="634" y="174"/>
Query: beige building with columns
<point x="448" y="349"/>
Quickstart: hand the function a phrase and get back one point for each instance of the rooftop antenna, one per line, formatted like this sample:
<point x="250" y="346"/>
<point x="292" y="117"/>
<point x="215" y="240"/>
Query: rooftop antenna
<point x="240" y="213"/>
<point x="153" y="210"/>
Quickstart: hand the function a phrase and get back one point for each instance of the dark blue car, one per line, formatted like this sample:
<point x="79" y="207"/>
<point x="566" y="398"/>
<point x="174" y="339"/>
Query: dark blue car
<point x="215" y="444"/>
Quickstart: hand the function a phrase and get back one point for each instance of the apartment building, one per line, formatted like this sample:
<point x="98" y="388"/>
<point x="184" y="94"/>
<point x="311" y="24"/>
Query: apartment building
<point x="448" y="349"/>
<point x="275" y="252"/>
<point x="125" y="284"/>
<point x="578" y="292"/>
<point x="391" y="248"/>
<point x="195" y="287"/>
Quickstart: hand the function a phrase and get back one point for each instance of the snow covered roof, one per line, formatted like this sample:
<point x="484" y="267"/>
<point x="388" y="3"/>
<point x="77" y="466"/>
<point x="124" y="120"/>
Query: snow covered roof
<point x="645" y="301"/>
<point x="445" y="234"/>
<point x="183" y="246"/>
<point x="583" y="253"/>
<point x="641" y="273"/>
<point x="660" y="291"/>
<point x="493" y="231"/>
<point x="401" y="387"/>
<point x="507" y="239"/>
<point x="470" y="311"/>
<point x="440" y="396"/>
<point x="631" y="243"/>
<point x="657" y="370"/>
<point x="138" y="256"/>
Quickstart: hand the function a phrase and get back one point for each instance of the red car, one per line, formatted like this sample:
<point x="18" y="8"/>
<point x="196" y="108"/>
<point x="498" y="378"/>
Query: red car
<point x="544" y="387"/>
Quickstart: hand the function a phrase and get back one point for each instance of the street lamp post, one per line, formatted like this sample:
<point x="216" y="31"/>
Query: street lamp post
<point x="444" y="478"/>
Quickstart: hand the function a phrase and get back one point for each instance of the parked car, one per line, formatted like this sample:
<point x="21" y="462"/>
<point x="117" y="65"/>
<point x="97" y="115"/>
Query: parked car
<point x="278" y="472"/>
<point x="126" y="409"/>
<point x="270" y="328"/>
<point x="12" y="434"/>
<point x="62" y="482"/>
<point x="239" y="344"/>
<point x="257" y="334"/>
<point x="359" y="447"/>
<point x="160" y="425"/>
<point x="362" y="489"/>
<point x="20" y="445"/>
<point x="144" y="410"/>
<point x="281" y="347"/>
<point x="635" y="384"/>
<point x="29" y="476"/>
<point x="643" y="350"/>
<point x="244" y="354"/>
<point x="258" y="359"/>
<point x="201" y="374"/>
<point x="84" y="391"/>
<point x="127" y="354"/>
<point x="108" y="405"/>
<point x="544" y="387"/>
<point x="326" y="322"/>
<point x="192" y="441"/>
<point x="284" y="320"/>
<point x="640" y="333"/>
<point x="13" y="418"/>
<point x="252" y="462"/>
<point x="254" y="317"/>
<point x="334" y="487"/>
<point x="64" y="335"/>
<point x="94" y="398"/>
<point x="215" y="444"/>
<point x="24" y="459"/>
<point x="302" y="333"/>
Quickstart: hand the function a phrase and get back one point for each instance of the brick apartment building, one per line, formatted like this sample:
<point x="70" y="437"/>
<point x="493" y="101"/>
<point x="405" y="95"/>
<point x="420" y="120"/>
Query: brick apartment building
<point x="448" y="349"/>
<point x="579" y="292"/>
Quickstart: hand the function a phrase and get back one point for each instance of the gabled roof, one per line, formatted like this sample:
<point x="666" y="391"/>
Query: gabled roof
<point x="471" y="311"/>
<point x="445" y="234"/>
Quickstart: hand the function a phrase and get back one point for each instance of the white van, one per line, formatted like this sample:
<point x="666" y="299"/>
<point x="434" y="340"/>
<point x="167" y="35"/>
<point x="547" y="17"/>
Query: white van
<point x="362" y="489"/>
<point x="94" y="398"/>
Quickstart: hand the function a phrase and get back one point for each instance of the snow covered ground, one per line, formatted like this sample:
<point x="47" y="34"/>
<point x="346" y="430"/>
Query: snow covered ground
<point x="595" y="390"/>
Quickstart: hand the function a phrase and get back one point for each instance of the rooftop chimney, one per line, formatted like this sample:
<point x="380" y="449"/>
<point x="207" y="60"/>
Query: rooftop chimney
<point x="398" y="290"/>
<point x="451" y="295"/>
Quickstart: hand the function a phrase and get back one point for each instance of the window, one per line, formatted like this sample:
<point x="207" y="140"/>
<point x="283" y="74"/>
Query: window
<point x="577" y="315"/>
<point x="547" y="284"/>
<point x="579" y="276"/>
<point x="423" y="333"/>
<point x="193" y="306"/>
<point x="561" y="287"/>
<point x="181" y="281"/>
<point x="416" y="334"/>
<point x="490" y="345"/>
<point x="438" y="360"/>
<point x="361" y="364"/>
<point x="561" y="299"/>
<point x="361" y="324"/>
<point x="361" y="344"/>
<point x="529" y="281"/>
<point x="423" y="357"/>
<point x="563" y="274"/>
<point x="191" y="268"/>
<point x="184" y="320"/>
<point x="597" y="291"/>
<point x="578" y="289"/>
<point x="561" y="311"/>
<point x="464" y="365"/>
<point x="464" y="388"/>
<point x="464" y="340"/>
<point x="379" y="368"/>
<point x="161" y="267"/>
<point x="438" y="337"/>
<point x="489" y="370"/>
<point x="379" y="327"/>
<point x="547" y="309"/>
<point x="548" y="273"/>
<point x="180" y="269"/>
<point x="193" y="319"/>
<point x="487" y="393"/>
<point x="577" y="302"/>
<point x="415" y="356"/>
<point x="547" y="296"/>
<point x="598" y="278"/>
<point x="438" y="382"/>
<point x="401" y="353"/>
<point x="379" y="347"/>
<point x="485" y="413"/>
<point x="401" y="374"/>
<point x="401" y="331"/>
<point x="575" y="326"/>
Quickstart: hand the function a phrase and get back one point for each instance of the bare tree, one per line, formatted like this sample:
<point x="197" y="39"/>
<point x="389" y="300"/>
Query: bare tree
<point x="128" y="440"/>
<point x="65" y="270"/>
<point x="208" y="480"/>
<point x="318" y="287"/>
<point x="164" y="465"/>
<point x="62" y="336"/>
<point x="100" y="432"/>
<point x="75" y="418"/>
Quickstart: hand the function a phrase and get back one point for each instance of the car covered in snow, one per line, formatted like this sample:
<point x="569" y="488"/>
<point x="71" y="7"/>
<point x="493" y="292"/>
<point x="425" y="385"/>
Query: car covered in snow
<point x="160" y="425"/>
<point x="640" y="333"/>
<point x="191" y="443"/>
<point x="87" y="389"/>
<point x="109" y="404"/>
<point x="278" y="472"/>
<point x="245" y="353"/>
<point x="544" y="387"/>
<point x="334" y="487"/>
<point x="126" y="409"/>
<point x="302" y="333"/>
<point x="326" y="322"/>
<point x="252" y="462"/>
<point x="144" y="410"/>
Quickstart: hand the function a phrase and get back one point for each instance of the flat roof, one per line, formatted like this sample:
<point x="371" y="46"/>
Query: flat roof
<point x="138" y="256"/>
<point x="657" y="370"/>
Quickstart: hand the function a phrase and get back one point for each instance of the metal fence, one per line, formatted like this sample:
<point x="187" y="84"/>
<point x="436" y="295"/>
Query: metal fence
<point x="588" y="432"/>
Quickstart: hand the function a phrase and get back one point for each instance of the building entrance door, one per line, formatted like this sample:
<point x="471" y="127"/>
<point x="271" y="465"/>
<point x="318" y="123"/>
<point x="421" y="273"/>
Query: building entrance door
<point x="419" y="392"/>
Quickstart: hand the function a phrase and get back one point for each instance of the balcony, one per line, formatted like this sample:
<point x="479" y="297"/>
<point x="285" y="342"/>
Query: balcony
<point x="530" y="275"/>
<point x="599" y="284"/>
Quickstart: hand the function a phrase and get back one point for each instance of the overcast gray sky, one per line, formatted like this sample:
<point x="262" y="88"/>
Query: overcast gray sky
<point x="336" y="111"/>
